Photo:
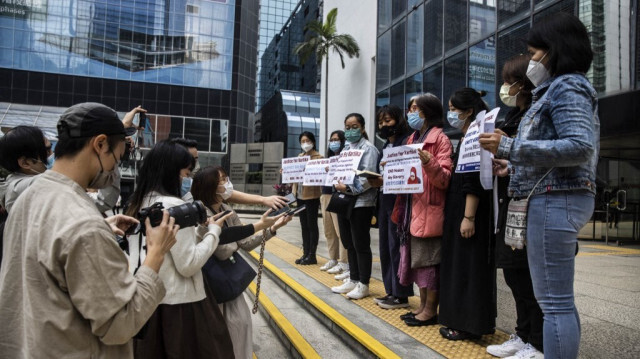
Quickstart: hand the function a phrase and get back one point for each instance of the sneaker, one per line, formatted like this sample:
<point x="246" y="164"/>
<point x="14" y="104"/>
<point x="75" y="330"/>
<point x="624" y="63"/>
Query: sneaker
<point x="382" y="299"/>
<point x="330" y="264"/>
<point x="359" y="292"/>
<point x="527" y="352"/>
<point x="346" y="287"/>
<point x="338" y="268"/>
<point x="508" y="348"/>
<point x="394" y="303"/>
<point x="343" y="276"/>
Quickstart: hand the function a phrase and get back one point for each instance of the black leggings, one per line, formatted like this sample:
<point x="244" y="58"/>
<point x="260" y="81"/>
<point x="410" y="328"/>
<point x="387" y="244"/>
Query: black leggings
<point x="309" y="225"/>
<point x="355" y="237"/>
<point x="529" y="319"/>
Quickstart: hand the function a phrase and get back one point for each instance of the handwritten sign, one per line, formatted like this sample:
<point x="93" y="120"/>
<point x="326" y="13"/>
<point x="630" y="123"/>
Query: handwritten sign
<point x="403" y="169"/>
<point x="344" y="169"/>
<point x="315" y="173"/>
<point x="293" y="169"/>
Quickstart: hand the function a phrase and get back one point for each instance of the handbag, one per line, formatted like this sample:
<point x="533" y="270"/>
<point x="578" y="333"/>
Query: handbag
<point x="342" y="204"/>
<point x="515" y="232"/>
<point x="228" y="278"/>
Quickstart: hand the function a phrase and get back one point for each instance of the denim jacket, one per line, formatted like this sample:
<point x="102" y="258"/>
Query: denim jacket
<point x="560" y="130"/>
<point x="369" y="162"/>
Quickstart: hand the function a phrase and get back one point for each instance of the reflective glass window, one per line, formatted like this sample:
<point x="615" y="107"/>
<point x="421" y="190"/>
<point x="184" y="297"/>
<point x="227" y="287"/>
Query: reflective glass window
<point x="397" y="95"/>
<point x="413" y="86"/>
<point x="563" y="5"/>
<point x="433" y="22"/>
<point x="382" y="98"/>
<point x="455" y="75"/>
<point x="482" y="74"/>
<point x="383" y="60"/>
<point x="199" y="130"/>
<point x="455" y="21"/>
<point x="432" y="80"/>
<point x="512" y="9"/>
<point x="415" y="25"/>
<point x="398" y="8"/>
<point x="384" y="15"/>
<point x="482" y="19"/>
<point x="397" y="50"/>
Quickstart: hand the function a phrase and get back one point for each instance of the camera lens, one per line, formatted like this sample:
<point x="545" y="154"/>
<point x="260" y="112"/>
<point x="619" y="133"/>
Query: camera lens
<point x="189" y="214"/>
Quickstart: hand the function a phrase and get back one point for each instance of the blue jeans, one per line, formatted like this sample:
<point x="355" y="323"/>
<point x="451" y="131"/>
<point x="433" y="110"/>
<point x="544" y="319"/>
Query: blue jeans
<point x="554" y="220"/>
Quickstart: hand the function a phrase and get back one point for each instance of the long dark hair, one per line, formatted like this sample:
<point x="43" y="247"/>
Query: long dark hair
<point x="397" y="114"/>
<point x="308" y="135"/>
<point x="205" y="184"/>
<point x="468" y="98"/>
<point x="160" y="172"/>
<point x="340" y="134"/>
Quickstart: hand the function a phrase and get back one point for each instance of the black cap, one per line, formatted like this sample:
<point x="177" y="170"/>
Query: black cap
<point x="89" y="119"/>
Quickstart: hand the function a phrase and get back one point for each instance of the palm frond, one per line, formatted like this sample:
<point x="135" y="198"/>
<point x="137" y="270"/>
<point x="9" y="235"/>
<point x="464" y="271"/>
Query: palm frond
<point x="348" y="44"/>
<point x="330" y="25"/>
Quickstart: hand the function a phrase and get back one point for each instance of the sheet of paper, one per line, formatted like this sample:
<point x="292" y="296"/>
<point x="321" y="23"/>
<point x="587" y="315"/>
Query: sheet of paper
<point x="293" y="169"/>
<point x="402" y="170"/>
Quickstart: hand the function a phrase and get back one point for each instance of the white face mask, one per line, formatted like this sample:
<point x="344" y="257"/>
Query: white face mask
<point x="228" y="190"/>
<point x="537" y="73"/>
<point x="306" y="147"/>
<point x="506" y="98"/>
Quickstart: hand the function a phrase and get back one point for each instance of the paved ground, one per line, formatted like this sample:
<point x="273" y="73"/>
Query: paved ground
<point x="607" y="287"/>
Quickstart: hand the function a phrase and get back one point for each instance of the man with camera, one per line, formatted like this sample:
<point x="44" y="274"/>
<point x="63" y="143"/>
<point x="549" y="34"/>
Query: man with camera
<point x="65" y="287"/>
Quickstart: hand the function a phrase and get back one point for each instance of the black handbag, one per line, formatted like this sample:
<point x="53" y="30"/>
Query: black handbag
<point x="342" y="204"/>
<point x="228" y="278"/>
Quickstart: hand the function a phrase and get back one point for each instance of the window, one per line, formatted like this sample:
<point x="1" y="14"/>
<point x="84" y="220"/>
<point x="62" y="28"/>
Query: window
<point x="397" y="50"/>
<point x="383" y="60"/>
<point x="398" y="8"/>
<point x="433" y="18"/>
<point x="384" y="15"/>
<point x="482" y="19"/>
<point x="432" y="80"/>
<point x="455" y="75"/>
<point x="413" y="86"/>
<point x="482" y="76"/>
<point x="199" y="130"/>
<point x="414" y="40"/>
<point x="455" y="21"/>
<point x="397" y="95"/>
<point x="512" y="9"/>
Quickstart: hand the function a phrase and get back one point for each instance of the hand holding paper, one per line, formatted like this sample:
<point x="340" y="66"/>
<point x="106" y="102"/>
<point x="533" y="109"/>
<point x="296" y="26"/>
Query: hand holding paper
<point x="490" y="141"/>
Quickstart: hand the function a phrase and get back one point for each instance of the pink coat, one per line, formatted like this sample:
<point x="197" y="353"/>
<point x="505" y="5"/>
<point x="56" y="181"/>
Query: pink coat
<point x="427" y="208"/>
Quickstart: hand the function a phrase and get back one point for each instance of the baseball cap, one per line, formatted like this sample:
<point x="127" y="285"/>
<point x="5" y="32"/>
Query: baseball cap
<point x="89" y="119"/>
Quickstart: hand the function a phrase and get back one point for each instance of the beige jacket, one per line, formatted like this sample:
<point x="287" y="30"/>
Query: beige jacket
<point x="65" y="289"/>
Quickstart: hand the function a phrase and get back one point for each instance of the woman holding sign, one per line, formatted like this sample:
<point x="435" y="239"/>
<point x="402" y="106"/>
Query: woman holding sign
<point x="467" y="273"/>
<point x="308" y="196"/>
<point x="354" y="230"/>
<point x="420" y="215"/>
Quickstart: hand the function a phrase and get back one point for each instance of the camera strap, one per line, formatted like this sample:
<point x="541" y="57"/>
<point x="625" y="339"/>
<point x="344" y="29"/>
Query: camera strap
<point x="139" y="251"/>
<point x="260" y="266"/>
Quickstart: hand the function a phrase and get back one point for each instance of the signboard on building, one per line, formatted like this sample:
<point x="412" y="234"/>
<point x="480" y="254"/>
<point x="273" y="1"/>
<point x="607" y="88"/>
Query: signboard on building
<point x="255" y="152"/>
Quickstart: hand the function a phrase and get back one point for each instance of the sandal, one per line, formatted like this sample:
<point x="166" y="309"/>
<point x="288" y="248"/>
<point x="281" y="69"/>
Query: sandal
<point x="453" y="334"/>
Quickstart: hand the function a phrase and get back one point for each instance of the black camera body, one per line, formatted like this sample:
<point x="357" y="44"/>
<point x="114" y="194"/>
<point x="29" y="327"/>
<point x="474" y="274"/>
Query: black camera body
<point x="186" y="214"/>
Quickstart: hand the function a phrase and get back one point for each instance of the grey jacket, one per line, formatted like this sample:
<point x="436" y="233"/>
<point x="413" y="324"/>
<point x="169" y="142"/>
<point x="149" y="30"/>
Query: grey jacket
<point x="369" y="162"/>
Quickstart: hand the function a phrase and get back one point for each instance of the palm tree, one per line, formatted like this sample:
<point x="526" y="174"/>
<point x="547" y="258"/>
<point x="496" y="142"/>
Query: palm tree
<point x="321" y="39"/>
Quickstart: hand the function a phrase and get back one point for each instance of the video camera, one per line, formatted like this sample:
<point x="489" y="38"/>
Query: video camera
<point x="186" y="215"/>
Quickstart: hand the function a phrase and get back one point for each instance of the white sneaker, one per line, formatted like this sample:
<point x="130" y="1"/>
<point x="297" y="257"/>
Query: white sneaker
<point x="330" y="264"/>
<point x="527" y="352"/>
<point x="359" y="292"/>
<point x="343" y="276"/>
<point x="508" y="348"/>
<point x="339" y="268"/>
<point x="345" y="287"/>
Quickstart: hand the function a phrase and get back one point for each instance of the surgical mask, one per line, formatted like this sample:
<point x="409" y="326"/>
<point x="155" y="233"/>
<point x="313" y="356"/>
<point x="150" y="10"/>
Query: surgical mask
<point x="415" y="121"/>
<point x="454" y="120"/>
<point x="185" y="186"/>
<point x="506" y="98"/>
<point x="388" y="131"/>
<point x="228" y="190"/>
<point x="353" y="135"/>
<point x="334" y="146"/>
<point x="306" y="147"/>
<point x="104" y="178"/>
<point x="537" y="73"/>
<point x="50" y="160"/>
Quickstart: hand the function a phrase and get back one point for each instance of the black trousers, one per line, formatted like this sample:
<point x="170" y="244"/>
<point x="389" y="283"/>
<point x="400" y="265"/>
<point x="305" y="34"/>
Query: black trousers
<point x="355" y="237"/>
<point x="390" y="249"/>
<point x="529" y="321"/>
<point x="309" y="225"/>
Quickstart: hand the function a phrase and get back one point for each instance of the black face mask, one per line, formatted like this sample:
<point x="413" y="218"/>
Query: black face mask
<point x="388" y="131"/>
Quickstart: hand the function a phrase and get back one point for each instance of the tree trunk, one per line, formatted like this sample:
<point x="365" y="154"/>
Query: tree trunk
<point x="326" y="103"/>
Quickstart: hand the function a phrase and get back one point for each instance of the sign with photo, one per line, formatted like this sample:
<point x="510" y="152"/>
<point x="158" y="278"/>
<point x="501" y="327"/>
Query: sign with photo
<point x="402" y="170"/>
<point x="315" y="173"/>
<point x="344" y="170"/>
<point x="293" y="169"/>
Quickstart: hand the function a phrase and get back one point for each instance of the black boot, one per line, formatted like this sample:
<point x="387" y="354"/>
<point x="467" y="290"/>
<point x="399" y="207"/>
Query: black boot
<point x="299" y="260"/>
<point x="310" y="259"/>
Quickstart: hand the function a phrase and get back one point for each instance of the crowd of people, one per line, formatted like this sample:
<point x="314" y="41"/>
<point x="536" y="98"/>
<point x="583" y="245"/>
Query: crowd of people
<point x="67" y="288"/>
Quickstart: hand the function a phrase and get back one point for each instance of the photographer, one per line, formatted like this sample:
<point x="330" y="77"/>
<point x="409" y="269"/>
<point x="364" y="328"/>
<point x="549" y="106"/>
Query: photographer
<point x="202" y="331"/>
<point x="235" y="311"/>
<point x="65" y="290"/>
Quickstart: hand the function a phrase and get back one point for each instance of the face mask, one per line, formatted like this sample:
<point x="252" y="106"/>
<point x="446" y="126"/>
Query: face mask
<point x="415" y="121"/>
<point x="388" y="131"/>
<point x="454" y="120"/>
<point x="104" y="178"/>
<point x="334" y="146"/>
<point x="537" y="73"/>
<point x="186" y="186"/>
<point x="36" y="172"/>
<point x="306" y="147"/>
<point x="50" y="161"/>
<point x="353" y="135"/>
<point x="228" y="190"/>
<point x="506" y="98"/>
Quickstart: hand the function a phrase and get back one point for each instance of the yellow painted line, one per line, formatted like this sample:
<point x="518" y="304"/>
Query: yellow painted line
<point x="297" y="340"/>
<point x="369" y="342"/>
<point x="254" y="356"/>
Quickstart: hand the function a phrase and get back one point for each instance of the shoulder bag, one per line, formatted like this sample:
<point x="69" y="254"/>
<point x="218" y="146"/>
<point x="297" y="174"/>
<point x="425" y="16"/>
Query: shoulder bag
<point x="228" y="278"/>
<point x="342" y="204"/>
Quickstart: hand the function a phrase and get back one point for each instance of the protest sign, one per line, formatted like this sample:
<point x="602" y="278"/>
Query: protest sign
<point x="487" y="125"/>
<point x="344" y="169"/>
<point x="315" y="173"/>
<point x="469" y="156"/>
<point x="293" y="169"/>
<point x="333" y="162"/>
<point x="402" y="170"/>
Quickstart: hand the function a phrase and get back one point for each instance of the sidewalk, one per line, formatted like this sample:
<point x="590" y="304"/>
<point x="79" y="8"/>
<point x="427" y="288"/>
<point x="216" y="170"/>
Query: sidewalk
<point x="607" y="287"/>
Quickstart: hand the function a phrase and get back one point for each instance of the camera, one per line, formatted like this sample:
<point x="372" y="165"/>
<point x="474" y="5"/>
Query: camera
<point x="186" y="215"/>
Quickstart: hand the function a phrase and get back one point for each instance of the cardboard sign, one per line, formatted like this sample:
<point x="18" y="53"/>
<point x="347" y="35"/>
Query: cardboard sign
<point x="403" y="169"/>
<point x="344" y="169"/>
<point x="293" y="169"/>
<point x="315" y="173"/>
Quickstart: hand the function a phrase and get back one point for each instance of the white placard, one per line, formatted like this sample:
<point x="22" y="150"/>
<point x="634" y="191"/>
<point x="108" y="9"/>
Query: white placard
<point x="315" y="173"/>
<point x="293" y="169"/>
<point x="345" y="167"/>
<point x="403" y="169"/>
<point x="469" y="156"/>
<point x="333" y="162"/>
<point x="487" y="125"/>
